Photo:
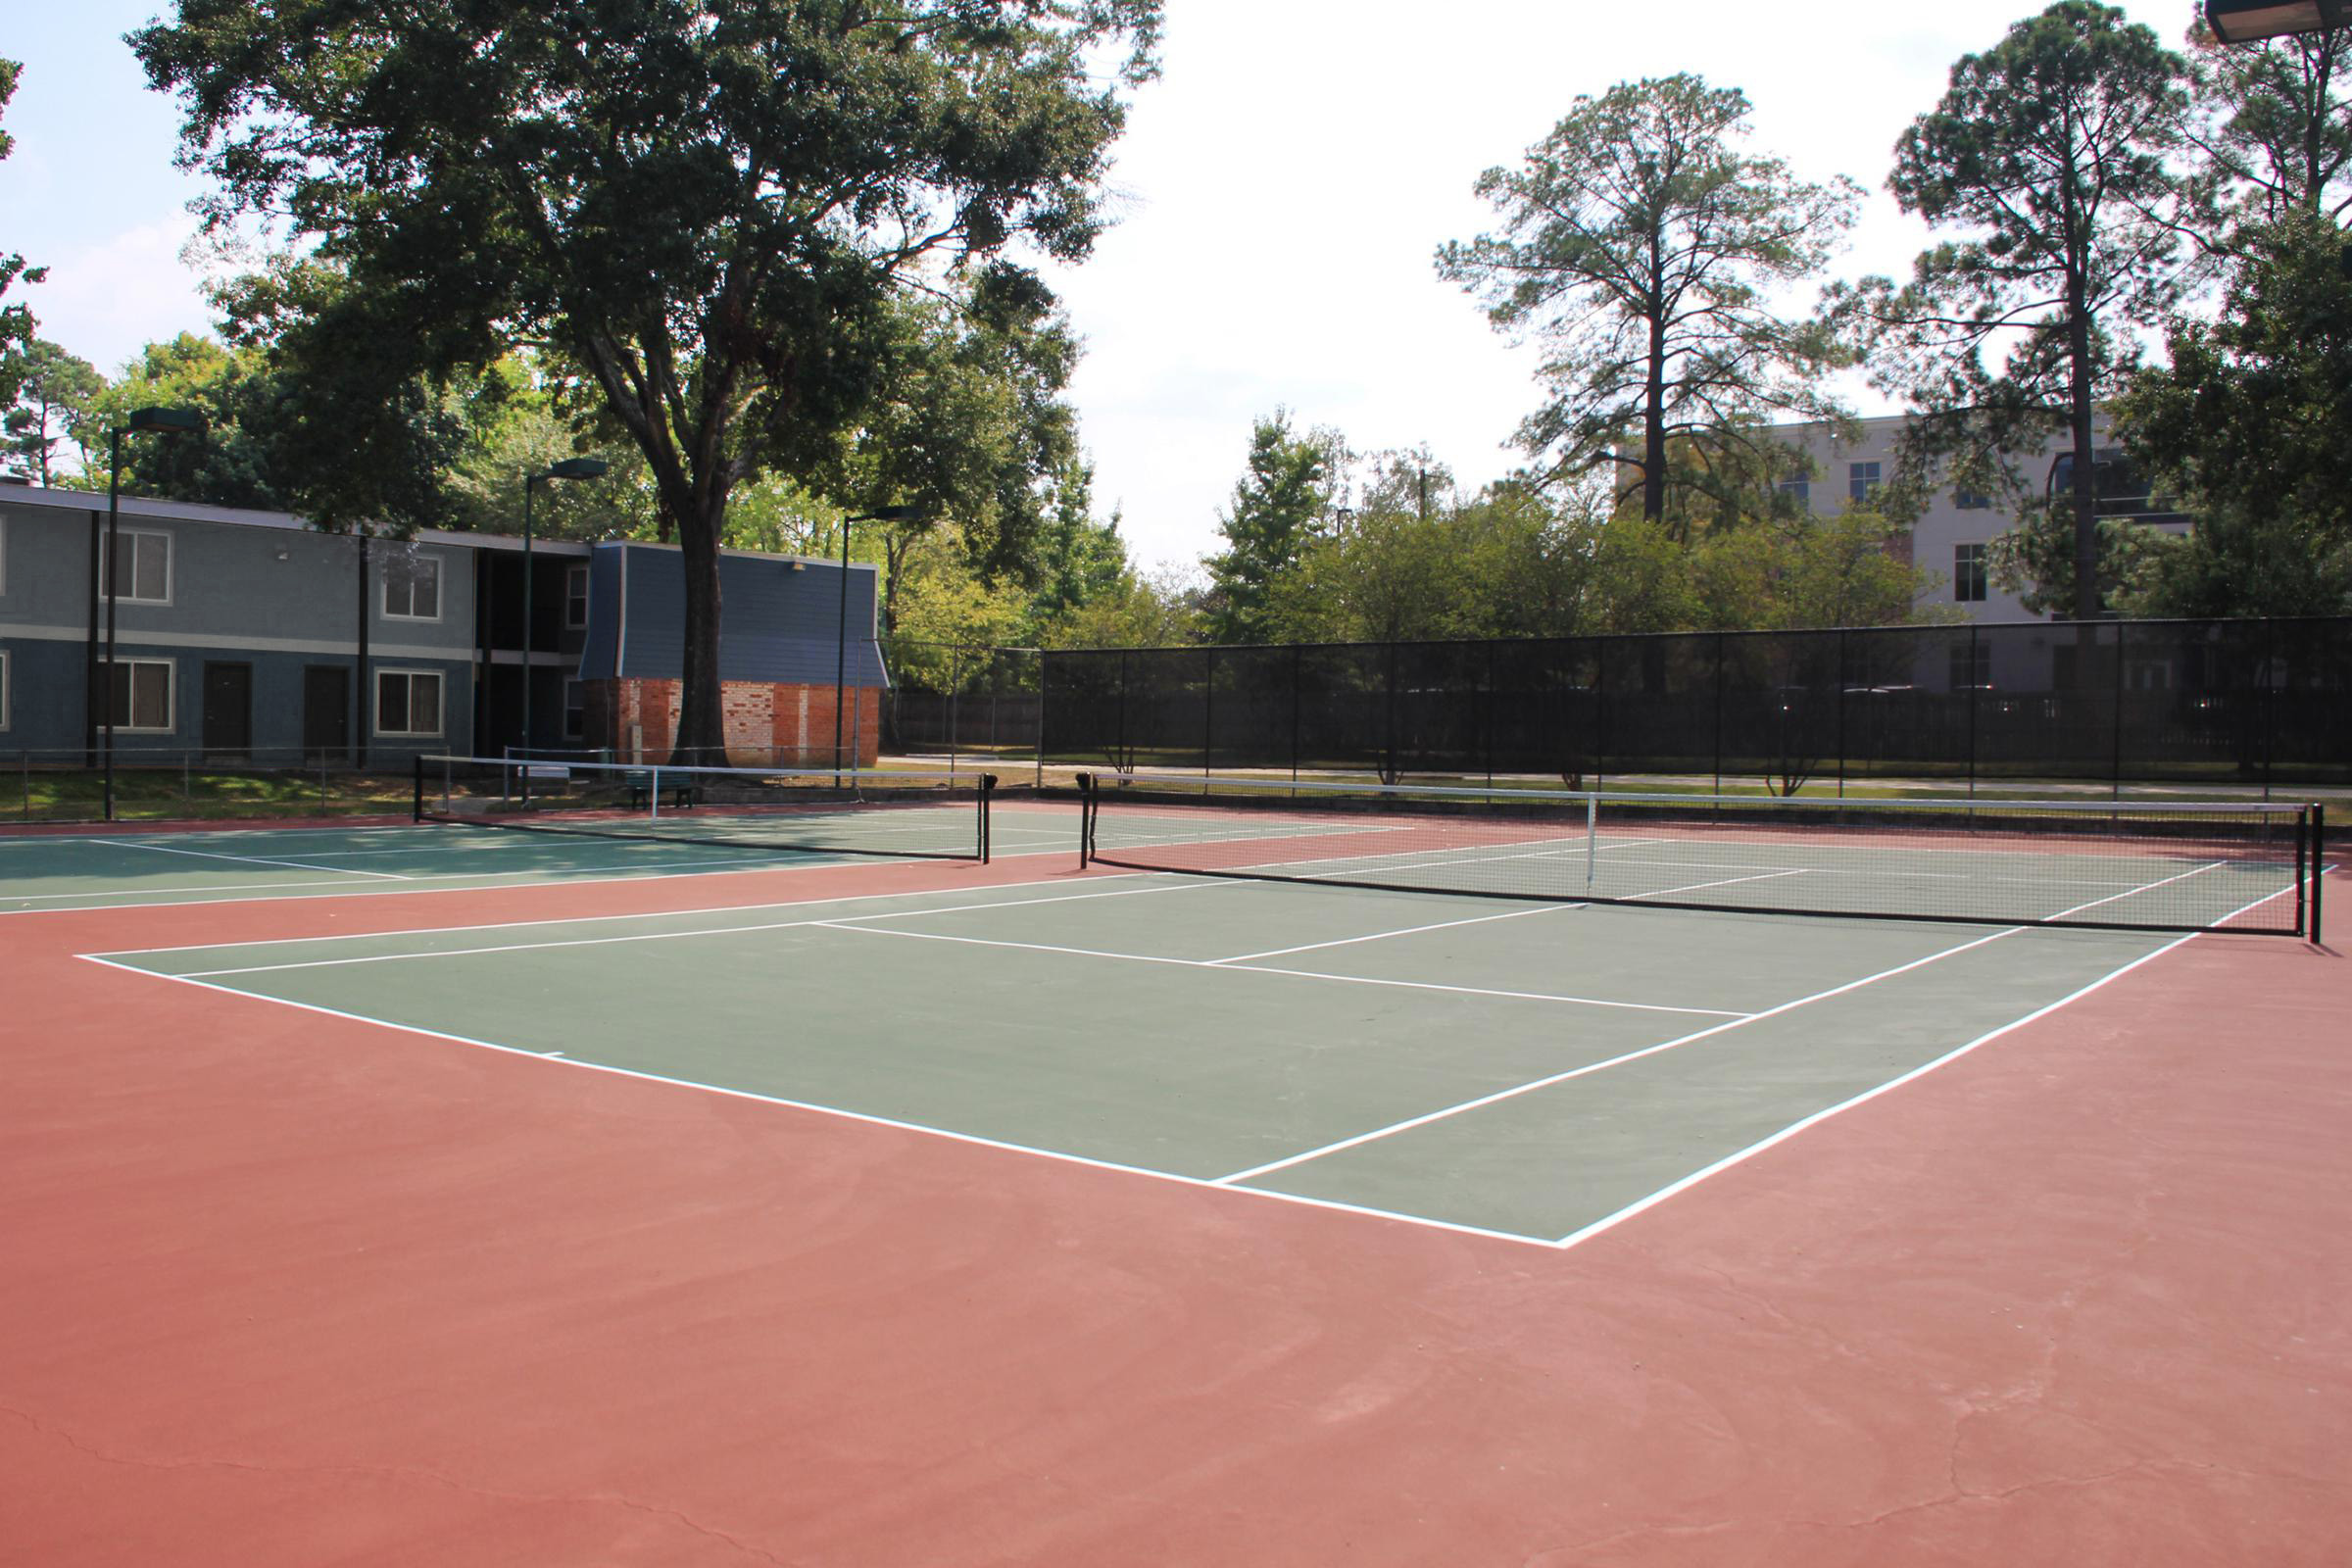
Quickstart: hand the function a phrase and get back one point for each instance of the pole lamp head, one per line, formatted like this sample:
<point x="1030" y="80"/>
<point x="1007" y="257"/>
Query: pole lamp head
<point x="165" y="422"/>
<point x="891" y="514"/>
<point x="2249" y="20"/>
<point x="577" y="468"/>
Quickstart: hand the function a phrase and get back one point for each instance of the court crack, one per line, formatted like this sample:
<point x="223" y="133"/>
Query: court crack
<point x="396" y="1473"/>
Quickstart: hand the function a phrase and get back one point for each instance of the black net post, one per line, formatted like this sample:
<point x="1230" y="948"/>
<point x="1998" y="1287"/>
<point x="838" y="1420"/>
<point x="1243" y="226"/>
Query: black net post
<point x="2319" y="864"/>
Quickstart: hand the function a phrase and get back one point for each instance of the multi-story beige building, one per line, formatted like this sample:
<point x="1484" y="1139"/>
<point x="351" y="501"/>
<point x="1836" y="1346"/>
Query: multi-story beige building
<point x="1951" y="537"/>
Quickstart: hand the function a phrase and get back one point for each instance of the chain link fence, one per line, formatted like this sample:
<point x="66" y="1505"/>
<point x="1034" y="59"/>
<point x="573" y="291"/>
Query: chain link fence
<point x="2240" y="704"/>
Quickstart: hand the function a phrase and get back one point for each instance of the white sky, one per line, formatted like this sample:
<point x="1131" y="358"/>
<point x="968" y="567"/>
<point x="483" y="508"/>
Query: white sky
<point x="1282" y="189"/>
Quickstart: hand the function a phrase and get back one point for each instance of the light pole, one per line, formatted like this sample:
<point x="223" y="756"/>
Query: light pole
<point x="841" y="641"/>
<point x="569" y="469"/>
<point x="163" y="421"/>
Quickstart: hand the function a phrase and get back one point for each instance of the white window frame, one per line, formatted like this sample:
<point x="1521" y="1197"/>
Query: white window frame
<point x="128" y="594"/>
<point x="1983" y="564"/>
<point x="1860" y="486"/>
<point x="573" y="687"/>
<point x="440" y="585"/>
<point x="3" y="691"/>
<point x="375" y="704"/>
<point x="171" y="669"/>
<point x="3" y="575"/>
<point x="572" y="574"/>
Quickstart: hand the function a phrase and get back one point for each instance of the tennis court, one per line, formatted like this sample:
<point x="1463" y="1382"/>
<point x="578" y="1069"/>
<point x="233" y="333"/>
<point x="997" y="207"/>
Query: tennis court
<point x="1360" y="1150"/>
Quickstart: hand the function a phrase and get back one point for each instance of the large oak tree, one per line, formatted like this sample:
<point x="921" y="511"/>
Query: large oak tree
<point x="708" y="204"/>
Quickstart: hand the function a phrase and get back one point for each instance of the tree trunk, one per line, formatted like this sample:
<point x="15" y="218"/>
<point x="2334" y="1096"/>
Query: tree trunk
<point x="2086" y="465"/>
<point x="1654" y="423"/>
<point x="701" y="723"/>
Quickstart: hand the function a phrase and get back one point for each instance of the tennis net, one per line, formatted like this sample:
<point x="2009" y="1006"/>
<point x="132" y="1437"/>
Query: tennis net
<point x="763" y="810"/>
<point x="2118" y="865"/>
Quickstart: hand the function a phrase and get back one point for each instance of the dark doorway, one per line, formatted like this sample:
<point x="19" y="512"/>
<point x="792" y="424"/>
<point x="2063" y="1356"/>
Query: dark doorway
<point x="227" y="711"/>
<point x="325" y="713"/>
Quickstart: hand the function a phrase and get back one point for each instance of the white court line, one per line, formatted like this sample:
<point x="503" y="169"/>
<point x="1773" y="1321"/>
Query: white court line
<point x="1254" y="1194"/>
<point x="521" y="880"/>
<point x="1651" y="1051"/>
<point x="1482" y="919"/>
<point x="698" y="932"/>
<point x="1620" y="1060"/>
<point x="617" y="918"/>
<point x="866" y="1118"/>
<point x="248" y="860"/>
<point x="1642" y="1205"/>
<point x="1224" y="967"/>
<point x="1382" y="935"/>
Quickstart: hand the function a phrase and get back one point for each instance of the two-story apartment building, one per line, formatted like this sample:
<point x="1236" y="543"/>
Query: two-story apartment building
<point x="244" y="636"/>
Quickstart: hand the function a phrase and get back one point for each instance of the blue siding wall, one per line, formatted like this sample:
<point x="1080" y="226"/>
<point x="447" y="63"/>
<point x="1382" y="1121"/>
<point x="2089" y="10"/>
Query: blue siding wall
<point x="777" y="624"/>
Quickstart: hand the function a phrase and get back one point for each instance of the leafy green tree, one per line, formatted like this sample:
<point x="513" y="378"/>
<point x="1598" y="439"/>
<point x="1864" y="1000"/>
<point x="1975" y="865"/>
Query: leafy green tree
<point x="1639" y="246"/>
<point x="517" y="424"/>
<point x="1278" y="506"/>
<point x="2048" y="153"/>
<point x="1078" y="560"/>
<point x="16" y="321"/>
<point x="230" y="464"/>
<point x="2271" y="131"/>
<point x="1142" y="610"/>
<point x="53" y="405"/>
<point x="707" y="207"/>
<point x="2249" y="423"/>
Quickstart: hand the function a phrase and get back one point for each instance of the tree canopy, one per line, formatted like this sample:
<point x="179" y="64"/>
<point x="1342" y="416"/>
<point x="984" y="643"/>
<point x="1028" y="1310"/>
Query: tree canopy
<point x="2048" y="155"/>
<point x="1641" y="245"/>
<point x="710" y="207"/>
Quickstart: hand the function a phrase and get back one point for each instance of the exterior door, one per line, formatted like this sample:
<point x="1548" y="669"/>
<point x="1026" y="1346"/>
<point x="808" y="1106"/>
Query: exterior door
<point x="227" y="710"/>
<point x="325" y="713"/>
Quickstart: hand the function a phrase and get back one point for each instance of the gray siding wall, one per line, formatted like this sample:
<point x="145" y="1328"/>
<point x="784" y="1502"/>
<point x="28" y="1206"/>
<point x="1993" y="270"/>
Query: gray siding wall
<point x="230" y="598"/>
<point x="777" y="624"/>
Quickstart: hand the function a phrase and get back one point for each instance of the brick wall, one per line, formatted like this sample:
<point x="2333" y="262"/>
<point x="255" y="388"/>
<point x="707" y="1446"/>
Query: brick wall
<point x="774" y="726"/>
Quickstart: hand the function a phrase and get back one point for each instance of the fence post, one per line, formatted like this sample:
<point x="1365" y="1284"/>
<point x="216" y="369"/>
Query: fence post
<point x="1719" y="643"/>
<point x="1388" y="721"/>
<point x="954" y="678"/>
<point x="1120" y="762"/>
<point x="2269" y="698"/>
<point x="1485" y="716"/>
<point x="2116" y="789"/>
<point x="1208" y="711"/>
<point x="1841" y="685"/>
<point x="1296" y="654"/>
<point x="1974" y="686"/>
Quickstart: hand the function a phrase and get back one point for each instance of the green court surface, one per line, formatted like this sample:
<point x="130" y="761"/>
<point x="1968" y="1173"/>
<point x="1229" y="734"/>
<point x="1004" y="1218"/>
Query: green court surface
<point x="122" y="871"/>
<point x="1533" y="1070"/>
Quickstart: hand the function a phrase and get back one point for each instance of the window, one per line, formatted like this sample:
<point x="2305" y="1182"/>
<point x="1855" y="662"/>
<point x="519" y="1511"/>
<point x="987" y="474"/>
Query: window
<point x="3" y="688"/>
<point x="142" y="568"/>
<point x="140" y="695"/>
<point x="413" y="589"/>
<point x="3" y="571"/>
<point x="1971" y="666"/>
<point x="408" y="701"/>
<point x="575" y="598"/>
<point x="1968" y="574"/>
<point x="1799" y="490"/>
<point x="1861" y="478"/>
<point x="575" y="710"/>
<point x="1970" y="501"/>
